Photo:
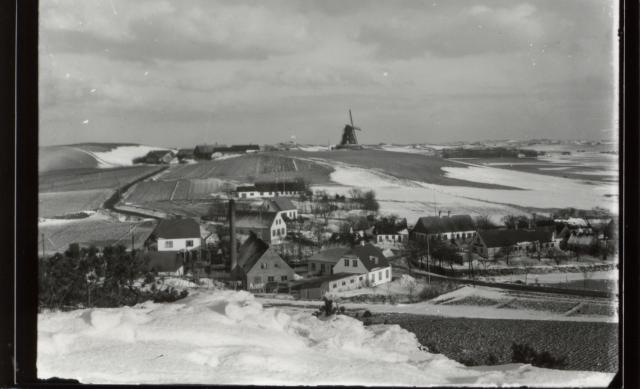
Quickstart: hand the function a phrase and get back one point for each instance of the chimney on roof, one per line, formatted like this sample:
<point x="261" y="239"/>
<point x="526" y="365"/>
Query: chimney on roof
<point x="232" y="233"/>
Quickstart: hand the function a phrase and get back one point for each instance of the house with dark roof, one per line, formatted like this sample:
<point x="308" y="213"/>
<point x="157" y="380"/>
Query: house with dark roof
<point x="185" y="154"/>
<point x="268" y="226"/>
<point x="322" y="262"/>
<point x="159" y="156"/>
<point x="284" y="206"/>
<point x="177" y="234"/>
<point x="365" y="259"/>
<point x="203" y="151"/>
<point x="487" y="243"/>
<point x="270" y="189"/>
<point x="259" y="267"/>
<point x="450" y="227"/>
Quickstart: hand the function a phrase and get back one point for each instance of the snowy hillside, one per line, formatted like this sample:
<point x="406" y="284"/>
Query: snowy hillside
<point x="122" y="156"/>
<point x="225" y="337"/>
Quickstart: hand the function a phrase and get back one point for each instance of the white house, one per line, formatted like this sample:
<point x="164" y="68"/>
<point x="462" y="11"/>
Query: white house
<point x="456" y="227"/>
<point x="284" y="207"/>
<point x="270" y="189"/>
<point x="178" y="235"/>
<point x="392" y="239"/>
<point x="268" y="226"/>
<point x="366" y="260"/>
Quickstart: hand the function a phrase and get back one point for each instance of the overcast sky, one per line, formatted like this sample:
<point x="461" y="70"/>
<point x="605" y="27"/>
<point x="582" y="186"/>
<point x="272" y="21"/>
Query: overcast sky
<point x="181" y="72"/>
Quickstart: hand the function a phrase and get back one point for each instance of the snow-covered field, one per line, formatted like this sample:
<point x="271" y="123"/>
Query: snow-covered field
<point x="120" y="156"/>
<point x="412" y="199"/>
<point x="227" y="337"/>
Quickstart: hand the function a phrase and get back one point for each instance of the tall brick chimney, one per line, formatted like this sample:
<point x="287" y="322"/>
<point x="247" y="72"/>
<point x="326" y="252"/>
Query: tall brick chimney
<point x="232" y="233"/>
<point x="439" y="213"/>
<point x="448" y="213"/>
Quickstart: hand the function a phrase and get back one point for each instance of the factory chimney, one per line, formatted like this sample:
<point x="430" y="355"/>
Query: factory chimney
<point x="439" y="213"/>
<point x="232" y="233"/>
<point x="448" y="213"/>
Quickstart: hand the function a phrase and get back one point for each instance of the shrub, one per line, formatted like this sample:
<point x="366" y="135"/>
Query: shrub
<point x="366" y="314"/>
<point x="523" y="353"/>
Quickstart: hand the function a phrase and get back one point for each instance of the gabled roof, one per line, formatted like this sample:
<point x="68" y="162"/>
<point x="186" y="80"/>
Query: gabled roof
<point x="281" y="204"/>
<point x="255" y="219"/>
<point x="250" y="252"/>
<point x="330" y="255"/>
<point x="504" y="238"/>
<point x="365" y="252"/>
<point x="185" y="152"/>
<point x="444" y="224"/>
<point x="204" y="149"/>
<point x="163" y="261"/>
<point x="247" y="188"/>
<point x="177" y="229"/>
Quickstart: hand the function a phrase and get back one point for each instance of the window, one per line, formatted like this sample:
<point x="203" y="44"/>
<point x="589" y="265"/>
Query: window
<point x="335" y="285"/>
<point x="379" y="275"/>
<point x="263" y="265"/>
<point x="189" y="243"/>
<point x="322" y="267"/>
<point x="360" y="278"/>
<point x="168" y="244"/>
<point x="273" y="232"/>
<point x="270" y="279"/>
<point x="346" y="262"/>
<point x="276" y="265"/>
<point x="386" y="274"/>
<point x="343" y="283"/>
<point x="283" y="278"/>
<point x="354" y="263"/>
<point x="244" y="195"/>
<point x="313" y="266"/>
<point x="351" y="281"/>
<point x="257" y="280"/>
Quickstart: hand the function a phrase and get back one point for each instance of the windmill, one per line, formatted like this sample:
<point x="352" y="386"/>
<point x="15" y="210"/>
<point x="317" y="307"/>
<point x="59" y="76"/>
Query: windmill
<point x="349" y="133"/>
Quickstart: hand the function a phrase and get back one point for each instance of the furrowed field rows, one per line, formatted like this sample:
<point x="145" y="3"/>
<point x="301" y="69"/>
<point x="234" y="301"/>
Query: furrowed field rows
<point x="93" y="232"/>
<point x="61" y="203"/>
<point x="84" y="179"/>
<point x="251" y="167"/>
<point x="173" y="190"/>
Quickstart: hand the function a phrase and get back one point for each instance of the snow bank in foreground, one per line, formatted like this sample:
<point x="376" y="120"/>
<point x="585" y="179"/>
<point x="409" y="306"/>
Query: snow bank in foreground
<point x="123" y="155"/>
<point x="226" y="337"/>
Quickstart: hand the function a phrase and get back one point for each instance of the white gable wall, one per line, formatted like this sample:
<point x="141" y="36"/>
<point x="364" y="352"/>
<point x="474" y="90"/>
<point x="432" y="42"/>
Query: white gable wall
<point x="178" y="244"/>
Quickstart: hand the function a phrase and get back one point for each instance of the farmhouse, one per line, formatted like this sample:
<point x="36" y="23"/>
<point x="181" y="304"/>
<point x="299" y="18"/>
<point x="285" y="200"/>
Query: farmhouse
<point x="203" y="151"/>
<point x="456" y="227"/>
<point x="270" y="189"/>
<point x="159" y="156"/>
<point x="387" y="235"/>
<point x="268" y="226"/>
<point x="284" y="206"/>
<point x="488" y="243"/>
<point x="184" y="154"/>
<point x="322" y="262"/>
<point x="367" y="260"/>
<point x="581" y="240"/>
<point x="316" y="288"/>
<point x="177" y="234"/>
<point x="259" y="267"/>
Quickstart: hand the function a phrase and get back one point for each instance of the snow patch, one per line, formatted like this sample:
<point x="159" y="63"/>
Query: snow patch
<point x="227" y="337"/>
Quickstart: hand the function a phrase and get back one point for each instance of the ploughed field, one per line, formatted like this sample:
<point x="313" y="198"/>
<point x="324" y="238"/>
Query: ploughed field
<point x="584" y="345"/>
<point x="91" y="178"/>
<point x="249" y="168"/>
<point x="51" y="204"/>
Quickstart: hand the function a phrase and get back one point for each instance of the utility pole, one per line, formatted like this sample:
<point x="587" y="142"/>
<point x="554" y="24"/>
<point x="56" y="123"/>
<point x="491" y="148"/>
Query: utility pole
<point x="428" y="261"/>
<point x="43" y="245"/>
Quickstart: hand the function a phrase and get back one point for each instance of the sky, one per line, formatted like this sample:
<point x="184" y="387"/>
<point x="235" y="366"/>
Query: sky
<point x="185" y="72"/>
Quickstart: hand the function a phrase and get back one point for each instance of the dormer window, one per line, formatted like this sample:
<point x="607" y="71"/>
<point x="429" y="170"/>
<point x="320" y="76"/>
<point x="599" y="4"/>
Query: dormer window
<point x="354" y="262"/>
<point x="373" y="259"/>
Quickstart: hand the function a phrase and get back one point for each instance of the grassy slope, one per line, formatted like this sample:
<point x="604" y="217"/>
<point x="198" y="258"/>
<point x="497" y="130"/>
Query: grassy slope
<point x="71" y="156"/>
